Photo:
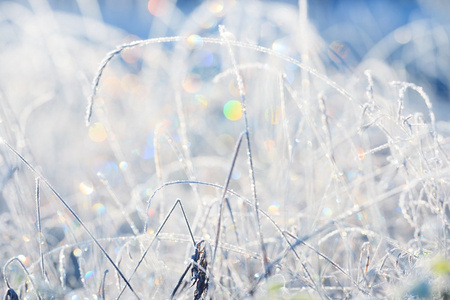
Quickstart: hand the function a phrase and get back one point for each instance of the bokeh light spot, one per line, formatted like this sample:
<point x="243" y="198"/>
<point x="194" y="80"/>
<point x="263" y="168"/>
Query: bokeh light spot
<point x="232" y="110"/>
<point x="280" y="46"/>
<point x="158" y="8"/>
<point x="274" y="209"/>
<point x="86" y="187"/>
<point x="123" y="165"/>
<point x="215" y="6"/>
<point x="441" y="266"/>
<point x="89" y="275"/>
<point x="194" y="41"/>
<point x="338" y="51"/>
<point x="77" y="252"/>
<point x="97" y="132"/>
<point x="151" y="212"/>
<point x="361" y="154"/>
<point x="327" y="212"/>
<point x="99" y="208"/>
<point x="24" y="259"/>
<point x="192" y="83"/>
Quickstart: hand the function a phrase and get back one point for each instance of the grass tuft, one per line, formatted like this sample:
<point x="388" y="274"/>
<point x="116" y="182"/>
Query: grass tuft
<point x="335" y="171"/>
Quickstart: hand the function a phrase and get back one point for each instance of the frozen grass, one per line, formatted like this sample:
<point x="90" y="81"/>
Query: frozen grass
<point x="311" y="183"/>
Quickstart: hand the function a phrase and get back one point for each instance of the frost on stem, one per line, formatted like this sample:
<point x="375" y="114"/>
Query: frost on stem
<point x="107" y="60"/>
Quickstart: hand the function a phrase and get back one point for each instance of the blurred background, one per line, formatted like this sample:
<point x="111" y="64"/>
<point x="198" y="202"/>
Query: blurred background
<point x="358" y="30"/>
<point x="176" y="105"/>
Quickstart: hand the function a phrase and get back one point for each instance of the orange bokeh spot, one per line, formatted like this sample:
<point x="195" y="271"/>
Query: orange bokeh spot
<point x="361" y="154"/>
<point x="97" y="132"/>
<point x="269" y="145"/>
<point x="158" y="7"/>
<point x="151" y="212"/>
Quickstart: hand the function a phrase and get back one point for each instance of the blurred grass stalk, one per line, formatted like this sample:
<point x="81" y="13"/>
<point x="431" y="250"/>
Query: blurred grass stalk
<point x="341" y="188"/>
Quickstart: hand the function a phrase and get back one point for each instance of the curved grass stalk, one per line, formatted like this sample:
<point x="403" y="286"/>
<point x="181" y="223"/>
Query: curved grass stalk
<point x="91" y="235"/>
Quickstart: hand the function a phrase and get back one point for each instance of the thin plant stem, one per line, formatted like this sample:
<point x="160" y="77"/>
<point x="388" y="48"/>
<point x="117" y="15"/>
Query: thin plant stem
<point x="91" y="235"/>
